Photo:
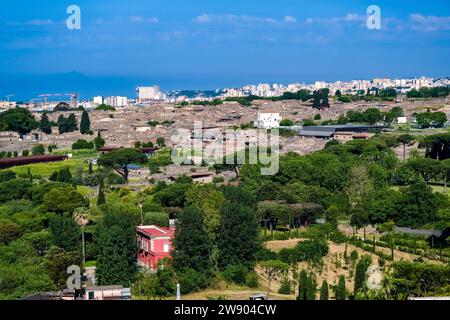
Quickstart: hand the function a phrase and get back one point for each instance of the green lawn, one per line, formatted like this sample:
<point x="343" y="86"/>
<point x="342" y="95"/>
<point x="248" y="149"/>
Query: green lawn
<point x="46" y="169"/>
<point x="91" y="263"/>
<point x="84" y="191"/>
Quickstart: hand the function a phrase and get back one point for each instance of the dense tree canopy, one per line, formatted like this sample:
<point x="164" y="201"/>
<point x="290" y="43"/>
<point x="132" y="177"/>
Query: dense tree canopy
<point x="18" y="119"/>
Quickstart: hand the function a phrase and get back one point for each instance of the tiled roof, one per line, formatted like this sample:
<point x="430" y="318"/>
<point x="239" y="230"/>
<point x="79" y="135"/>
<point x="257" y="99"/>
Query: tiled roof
<point x="156" y="231"/>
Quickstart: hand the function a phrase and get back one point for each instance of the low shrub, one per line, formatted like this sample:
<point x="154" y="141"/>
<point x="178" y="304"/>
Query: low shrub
<point x="235" y="273"/>
<point x="252" y="280"/>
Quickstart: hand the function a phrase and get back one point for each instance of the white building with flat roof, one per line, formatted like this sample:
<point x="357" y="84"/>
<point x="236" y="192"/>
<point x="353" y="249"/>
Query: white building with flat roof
<point x="149" y="93"/>
<point x="268" y="120"/>
<point x="116" y="101"/>
<point x="98" y="100"/>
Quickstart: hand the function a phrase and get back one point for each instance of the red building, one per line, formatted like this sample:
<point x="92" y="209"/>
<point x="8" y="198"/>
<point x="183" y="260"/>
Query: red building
<point x="155" y="244"/>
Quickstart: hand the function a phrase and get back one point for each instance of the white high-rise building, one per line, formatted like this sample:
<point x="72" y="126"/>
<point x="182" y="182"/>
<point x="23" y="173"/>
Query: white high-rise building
<point x="149" y="93"/>
<point x="98" y="100"/>
<point x="116" y="101"/>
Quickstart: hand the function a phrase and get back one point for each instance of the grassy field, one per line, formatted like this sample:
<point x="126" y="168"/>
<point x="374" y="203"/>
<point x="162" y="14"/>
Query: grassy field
<point x="45" y="170"/>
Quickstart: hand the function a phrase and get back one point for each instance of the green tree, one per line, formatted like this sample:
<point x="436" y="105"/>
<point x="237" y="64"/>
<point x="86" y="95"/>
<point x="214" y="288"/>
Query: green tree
<point x="427" y="168"/>
<point x="65" y="233"/>
<point x="56" y="261"/>
<point x="360" y="273"/>
<point x="38" y="149"/>
<point x="99" y="142"/>
<point x="161" y="142"/>
<point x="156" y="218"/>
<point x="340" y="291"/>
<point x="120" y="159"/>
<point x="286" y="123"/>
<point x="273" y="269"/>
<point x="316" y="100"/>
<point x="359" y="219"/>
<point x="302" y="285"/>
<point x="85" y="123"/>
<point x="9" y="231"/>
<point x="44" y="124"/>
<point x="405" y="139"/>
<point x="71" y="123"/>
<point x="331" y="215"/>
<point x="19" y="119"/>
<point x="105" y="107"/>
<point x="311" y="287"/>
<point x="372" y="115"/>
<point x="324" y="292"/>
<point x="6" y="175"/>
<point x="211" y="201"/>
<point x="325" y="102"/>
<point x="63" y="199"/>
<point x="165" y="282"/>
<point x="192" y="247"/>
<point x="101" y="194"/>
<point x="238" y="236"/>
<point x="61" y="124"/>
<point x="116" y="247"/>
<point x="82" y="144"/>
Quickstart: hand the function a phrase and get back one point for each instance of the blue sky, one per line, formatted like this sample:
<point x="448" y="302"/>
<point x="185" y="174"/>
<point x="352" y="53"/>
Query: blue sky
<point x="215" y="43"/>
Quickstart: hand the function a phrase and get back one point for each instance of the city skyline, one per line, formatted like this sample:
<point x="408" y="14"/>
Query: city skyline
<point x="215" y="44"/>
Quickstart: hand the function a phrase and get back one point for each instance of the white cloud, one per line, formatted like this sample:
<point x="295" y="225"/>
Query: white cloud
<point x="241" y="20"/>
<point x="351" y="17"/>
<point x="202" y="19"/>
<point x="138" y="19"/>
<point x="429" y="23"/>
<point x="153" y="20"/>
<point x="354" y="17"/>
<point x="289" y="19"/>
<point x="35" y="22"/>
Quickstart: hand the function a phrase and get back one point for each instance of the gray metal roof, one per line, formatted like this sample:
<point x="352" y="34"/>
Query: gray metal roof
<point x="316" y="131"/>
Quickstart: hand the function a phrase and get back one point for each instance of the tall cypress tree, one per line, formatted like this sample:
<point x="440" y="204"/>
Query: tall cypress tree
<point x="101" y="194"/>
<point x="324" y="290"/>
<point x="192" y="247"/>
<point x="340" y="289"/>
<point x="303" y="286"/>
<point x="90" y="170"/>
<point x="62" y="124"/>
<point x="325" y="101"/>
<point x="65" y="233"/>
<point x="238" y="235"/>
<point x="360" y="273"/>
<point x="316" y="101"/>
<point x="71" y="123"/>
<point x="85" y="123"/>
<point x="45" y="124"/>
<point x="115" y="240"/>
<point x="311" y="287"/>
